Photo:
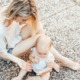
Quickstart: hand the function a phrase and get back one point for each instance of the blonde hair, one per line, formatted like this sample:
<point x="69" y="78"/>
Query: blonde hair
<point x="44" y="40"/>
<point x="23" y="8"/>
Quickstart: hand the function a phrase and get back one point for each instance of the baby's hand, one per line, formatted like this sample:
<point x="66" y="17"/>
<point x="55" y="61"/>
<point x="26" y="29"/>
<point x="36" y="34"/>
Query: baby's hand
<point x="36" y="61"/>
<point x="25" y="65"/>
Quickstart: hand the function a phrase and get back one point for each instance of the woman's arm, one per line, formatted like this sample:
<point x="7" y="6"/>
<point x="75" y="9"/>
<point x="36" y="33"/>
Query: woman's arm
<point x="22" y="64"/>
<point x="3" y="50"/>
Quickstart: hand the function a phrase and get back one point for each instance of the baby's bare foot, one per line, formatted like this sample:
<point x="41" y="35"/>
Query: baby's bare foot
<point x="56" y="67"/>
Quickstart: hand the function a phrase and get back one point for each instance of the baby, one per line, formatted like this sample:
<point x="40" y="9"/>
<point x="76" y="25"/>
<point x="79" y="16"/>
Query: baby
<point x="41" y="59"/>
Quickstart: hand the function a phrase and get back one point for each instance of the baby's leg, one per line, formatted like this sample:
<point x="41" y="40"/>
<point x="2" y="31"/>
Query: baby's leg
<point x="65" y="61"/>
<point x="20" y="76"/>
<point x="43" y="77"/>
<point x="34" y="78"/>
<point x="56" y="66"/>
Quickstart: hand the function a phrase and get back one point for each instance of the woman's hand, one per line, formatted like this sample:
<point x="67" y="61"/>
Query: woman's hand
<point x="22" y="64"/>
<point x="25" y="65"/>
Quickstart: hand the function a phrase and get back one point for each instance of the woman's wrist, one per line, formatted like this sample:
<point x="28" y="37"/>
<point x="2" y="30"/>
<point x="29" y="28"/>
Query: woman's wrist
<point x="10" y="57"/>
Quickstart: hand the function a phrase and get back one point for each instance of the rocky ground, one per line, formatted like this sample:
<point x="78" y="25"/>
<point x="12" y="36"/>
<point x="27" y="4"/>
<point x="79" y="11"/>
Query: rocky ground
<point x="61" y="21"/>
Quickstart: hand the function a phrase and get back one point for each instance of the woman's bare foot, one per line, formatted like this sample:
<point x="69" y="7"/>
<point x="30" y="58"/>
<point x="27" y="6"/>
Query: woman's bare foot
<point x="72" y="65"/>
<point x="75" y="66"/>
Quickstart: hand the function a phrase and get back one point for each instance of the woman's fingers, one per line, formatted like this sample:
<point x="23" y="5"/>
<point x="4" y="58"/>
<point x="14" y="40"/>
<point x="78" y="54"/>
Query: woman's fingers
<point x="25" y="65"/>
<point x="29" y="68"/>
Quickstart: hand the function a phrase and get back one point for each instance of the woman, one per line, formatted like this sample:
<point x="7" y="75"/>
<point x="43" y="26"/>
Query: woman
<point x="19" y="31"/>
<point x="13" y="41"/>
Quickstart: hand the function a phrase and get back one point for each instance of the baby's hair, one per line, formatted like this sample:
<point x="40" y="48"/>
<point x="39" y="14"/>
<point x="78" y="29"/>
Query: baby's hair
<point x="23" y="8"/>
<point x="44" y="39"/>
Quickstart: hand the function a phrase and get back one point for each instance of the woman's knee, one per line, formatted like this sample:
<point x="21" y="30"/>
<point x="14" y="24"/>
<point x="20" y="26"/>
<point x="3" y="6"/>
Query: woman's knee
<point x="25" y="32"/>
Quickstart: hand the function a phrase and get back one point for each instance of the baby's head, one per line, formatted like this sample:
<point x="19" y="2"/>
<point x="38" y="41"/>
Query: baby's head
<point x="43" y="45"/>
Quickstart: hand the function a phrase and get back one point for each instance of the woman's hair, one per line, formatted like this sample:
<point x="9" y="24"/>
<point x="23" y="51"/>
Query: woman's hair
<point x="22" y="8"/>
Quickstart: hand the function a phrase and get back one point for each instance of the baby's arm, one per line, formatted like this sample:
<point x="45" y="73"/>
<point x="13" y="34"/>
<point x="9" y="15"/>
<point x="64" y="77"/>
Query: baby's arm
<point x="51" y="64"/>
<point x="46" y="70"/>
<point x="32" y="57"/>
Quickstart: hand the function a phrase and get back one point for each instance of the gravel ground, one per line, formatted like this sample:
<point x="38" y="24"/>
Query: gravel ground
<point x="61" y="21"/>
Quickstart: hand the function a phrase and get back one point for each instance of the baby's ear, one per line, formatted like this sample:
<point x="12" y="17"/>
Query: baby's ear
<point x="56" y="67"/>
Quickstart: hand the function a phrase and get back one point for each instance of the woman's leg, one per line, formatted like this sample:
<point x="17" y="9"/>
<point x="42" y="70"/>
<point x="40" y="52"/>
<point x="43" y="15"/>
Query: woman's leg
<point x="24" y="46"/>
<point x="45" y="76"/>
<point x="26" y="32"/>
<point x="27" y="42"/>
<point x="65" y="61"/>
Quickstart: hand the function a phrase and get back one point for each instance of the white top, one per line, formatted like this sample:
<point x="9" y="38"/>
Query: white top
<point x="9" y="36"/>
<point x="2" y="39"/>
<point x="13" y="34"/>
<point x="43" y="62"/>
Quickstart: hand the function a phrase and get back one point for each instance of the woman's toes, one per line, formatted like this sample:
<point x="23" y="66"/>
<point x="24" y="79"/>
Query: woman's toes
<point x="76" y="66"/>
